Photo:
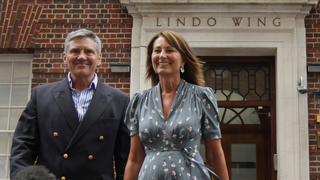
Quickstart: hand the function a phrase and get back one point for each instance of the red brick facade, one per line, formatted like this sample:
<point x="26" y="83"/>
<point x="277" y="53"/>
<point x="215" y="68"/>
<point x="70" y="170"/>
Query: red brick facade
<point x="313" y="57"/>
<point x="40" y="27"/>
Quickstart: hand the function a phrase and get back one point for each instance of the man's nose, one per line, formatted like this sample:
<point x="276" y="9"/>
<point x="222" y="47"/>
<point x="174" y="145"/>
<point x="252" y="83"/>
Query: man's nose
<point x="82" y="55"/>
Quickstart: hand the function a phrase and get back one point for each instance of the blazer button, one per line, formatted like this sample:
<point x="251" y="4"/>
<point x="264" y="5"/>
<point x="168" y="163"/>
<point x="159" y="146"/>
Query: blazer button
<point x="90" y="157"/>
<point x="101" y="137"/>
<point x="55" y="134"/>
<point x="63" y="178"/>
<point x="65" y="155"/>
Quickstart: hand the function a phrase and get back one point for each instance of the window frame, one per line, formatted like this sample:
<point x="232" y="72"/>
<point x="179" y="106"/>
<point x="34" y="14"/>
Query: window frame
<point x="13" y="58"/>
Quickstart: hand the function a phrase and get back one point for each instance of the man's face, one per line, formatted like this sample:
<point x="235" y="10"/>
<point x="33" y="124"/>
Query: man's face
<point x="82" y="58"/>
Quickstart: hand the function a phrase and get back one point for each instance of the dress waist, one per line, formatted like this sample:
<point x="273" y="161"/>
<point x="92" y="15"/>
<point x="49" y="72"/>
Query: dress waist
<point x="189" y="155"/>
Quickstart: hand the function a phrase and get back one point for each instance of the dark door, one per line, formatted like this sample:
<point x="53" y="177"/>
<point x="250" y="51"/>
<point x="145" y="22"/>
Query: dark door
<point x="246" y="145"/>
<point x="244" y="88"/>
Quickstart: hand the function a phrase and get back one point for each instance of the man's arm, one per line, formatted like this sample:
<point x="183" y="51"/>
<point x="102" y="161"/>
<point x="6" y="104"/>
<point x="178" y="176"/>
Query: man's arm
<point x="25" y="140"/>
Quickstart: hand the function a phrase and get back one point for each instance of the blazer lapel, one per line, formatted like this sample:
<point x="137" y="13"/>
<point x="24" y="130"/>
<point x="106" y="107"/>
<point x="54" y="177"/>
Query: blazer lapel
<point x="63" y="97"/>
<point x="99" y="102"/>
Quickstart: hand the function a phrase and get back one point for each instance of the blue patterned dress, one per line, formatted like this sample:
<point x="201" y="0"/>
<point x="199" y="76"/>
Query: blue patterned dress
<point x="172" y="147"/>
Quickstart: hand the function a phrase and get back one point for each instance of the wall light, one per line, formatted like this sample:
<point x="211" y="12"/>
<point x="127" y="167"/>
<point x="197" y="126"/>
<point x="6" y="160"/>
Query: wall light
<point x="120" y="68"/>
<point x="313" y="67"/>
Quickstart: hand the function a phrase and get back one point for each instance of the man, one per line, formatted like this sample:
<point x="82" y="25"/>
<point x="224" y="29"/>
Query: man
<point x="75" y="126"/>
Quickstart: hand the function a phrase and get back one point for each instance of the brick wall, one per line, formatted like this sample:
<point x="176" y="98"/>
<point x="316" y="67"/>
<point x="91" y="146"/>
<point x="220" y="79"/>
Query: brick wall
<point x="313" y="57"/>
<point x="40" y="27"/>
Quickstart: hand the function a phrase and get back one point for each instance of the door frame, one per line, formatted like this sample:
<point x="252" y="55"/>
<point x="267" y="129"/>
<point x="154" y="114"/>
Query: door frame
<point x="272" y="103"/>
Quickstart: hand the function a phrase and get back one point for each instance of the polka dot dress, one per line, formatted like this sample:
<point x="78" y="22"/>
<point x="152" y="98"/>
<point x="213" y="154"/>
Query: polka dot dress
<point x="172" y="147"/>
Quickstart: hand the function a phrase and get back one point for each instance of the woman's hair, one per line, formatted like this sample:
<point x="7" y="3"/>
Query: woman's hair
<point x="82" y="33"/>
<point x="193" y="66"/>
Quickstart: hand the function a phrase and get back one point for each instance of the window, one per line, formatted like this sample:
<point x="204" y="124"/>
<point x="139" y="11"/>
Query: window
<point x="15" y="88"/>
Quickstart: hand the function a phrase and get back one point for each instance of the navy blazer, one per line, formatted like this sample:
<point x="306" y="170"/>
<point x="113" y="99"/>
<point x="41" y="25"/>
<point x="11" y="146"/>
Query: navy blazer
<point x="50" y="130"/>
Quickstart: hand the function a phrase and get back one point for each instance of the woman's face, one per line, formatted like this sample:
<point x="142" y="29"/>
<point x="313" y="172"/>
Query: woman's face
<point x="166" y="59"/>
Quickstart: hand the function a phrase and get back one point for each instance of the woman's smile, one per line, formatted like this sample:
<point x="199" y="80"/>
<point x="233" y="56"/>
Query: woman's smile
<point x="163" y="64"/>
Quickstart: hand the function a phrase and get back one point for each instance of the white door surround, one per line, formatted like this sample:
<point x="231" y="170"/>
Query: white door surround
<point x="239" y="28"/>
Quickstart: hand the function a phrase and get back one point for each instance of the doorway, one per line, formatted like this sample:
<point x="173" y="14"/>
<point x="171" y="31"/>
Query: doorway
<point x="245" y="91"/>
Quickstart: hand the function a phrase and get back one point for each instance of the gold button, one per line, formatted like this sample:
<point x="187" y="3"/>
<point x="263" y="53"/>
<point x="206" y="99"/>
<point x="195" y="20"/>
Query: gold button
<point x="55" y="134"/>
<point x="101" y="137"/>
<point x="63" y="178"/>
<point x="65" y="155"/>
<point x="90" y="157"/>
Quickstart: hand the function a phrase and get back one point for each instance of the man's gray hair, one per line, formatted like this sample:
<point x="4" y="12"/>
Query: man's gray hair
<point x="82" y="33"/>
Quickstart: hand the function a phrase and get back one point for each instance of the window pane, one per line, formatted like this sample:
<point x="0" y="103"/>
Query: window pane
<point x="250" y="81"/>
<point x="14" y="118"/>
<point x="239" y="116"/>
<point x="3" y="167"/>
<point x="19" y="95"/>
<point x="21" y="72"/>
<point x="4" y="143"/>
<point x="3" y="118"/>
<point x="5" y="72"/>
<point x="5" y="95"/>
<point x="243" y="161"/>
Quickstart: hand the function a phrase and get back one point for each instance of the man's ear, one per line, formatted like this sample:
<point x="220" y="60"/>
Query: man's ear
<point x="64" y="58"/>
<point x="99" y="60"/>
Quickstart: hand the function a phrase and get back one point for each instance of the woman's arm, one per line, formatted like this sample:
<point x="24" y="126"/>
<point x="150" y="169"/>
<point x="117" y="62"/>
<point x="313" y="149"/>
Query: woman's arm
<point x="135" y="160"/>
<point x="215" y="158"/>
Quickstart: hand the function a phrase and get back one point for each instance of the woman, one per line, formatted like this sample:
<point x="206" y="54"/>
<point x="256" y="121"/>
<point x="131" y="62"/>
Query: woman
<point x="167" y="122"/>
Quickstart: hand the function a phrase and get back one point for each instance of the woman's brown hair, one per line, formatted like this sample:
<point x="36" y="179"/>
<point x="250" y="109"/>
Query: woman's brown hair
<point x="193" y="67"/>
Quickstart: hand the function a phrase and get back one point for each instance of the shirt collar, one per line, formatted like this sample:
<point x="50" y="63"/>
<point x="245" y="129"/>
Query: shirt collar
<point x="93" y="83"/>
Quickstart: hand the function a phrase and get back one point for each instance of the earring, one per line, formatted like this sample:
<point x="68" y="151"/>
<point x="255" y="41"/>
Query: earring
<point x="182" y="69"/>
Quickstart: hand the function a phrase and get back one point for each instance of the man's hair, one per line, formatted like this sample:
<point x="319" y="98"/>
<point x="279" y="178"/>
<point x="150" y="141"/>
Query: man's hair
<point x="34" y="172"/>
<point x="82" y="33"/>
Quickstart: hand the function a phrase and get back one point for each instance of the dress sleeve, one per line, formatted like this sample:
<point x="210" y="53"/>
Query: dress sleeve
<point x="132" y="118"/>
<point x="210" y="118"/>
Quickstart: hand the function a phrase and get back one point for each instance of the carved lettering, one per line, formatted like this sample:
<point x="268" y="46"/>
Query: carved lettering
<point x="237" y="20"/>
<point x="278" y="23"/>
<point x="179" y="20"/>
<point x="193" y="21"/>
<point x="211" y="19"/>
<point x="158" y="22"/>
<point x="263" y="22"/>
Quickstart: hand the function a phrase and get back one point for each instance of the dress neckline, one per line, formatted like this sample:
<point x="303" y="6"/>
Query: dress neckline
<point x="176" y="97"/>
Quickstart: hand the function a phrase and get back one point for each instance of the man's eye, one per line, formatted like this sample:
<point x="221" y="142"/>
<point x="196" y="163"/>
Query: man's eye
<point x="75" y="51"/>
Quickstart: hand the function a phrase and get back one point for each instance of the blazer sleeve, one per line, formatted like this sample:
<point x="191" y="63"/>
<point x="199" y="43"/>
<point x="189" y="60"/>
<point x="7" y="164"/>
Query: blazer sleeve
<point x="25" y="142"/>
<point x="122" y="146"/>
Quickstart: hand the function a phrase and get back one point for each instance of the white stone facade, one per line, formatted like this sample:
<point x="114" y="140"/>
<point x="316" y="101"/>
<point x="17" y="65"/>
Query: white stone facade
<point x="240" y="28"/>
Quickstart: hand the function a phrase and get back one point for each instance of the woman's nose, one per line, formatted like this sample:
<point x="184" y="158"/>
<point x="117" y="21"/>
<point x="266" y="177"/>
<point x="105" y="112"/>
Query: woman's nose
<point x="163" y="55"/>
